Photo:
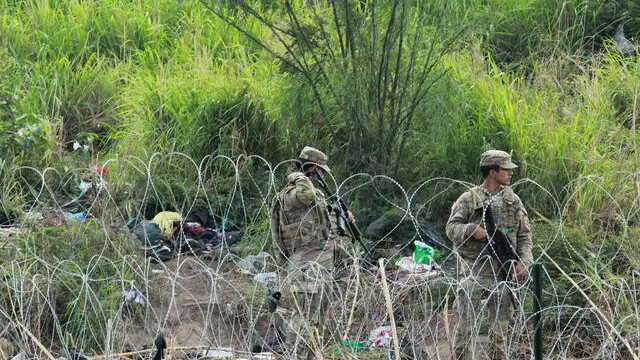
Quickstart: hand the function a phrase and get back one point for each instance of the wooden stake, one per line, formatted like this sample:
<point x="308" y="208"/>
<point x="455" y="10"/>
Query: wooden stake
<point x="392" y="320"/>
<point x="447" y="331"/>
<point x="36" y="341"/>
<point x="353" y="304"/>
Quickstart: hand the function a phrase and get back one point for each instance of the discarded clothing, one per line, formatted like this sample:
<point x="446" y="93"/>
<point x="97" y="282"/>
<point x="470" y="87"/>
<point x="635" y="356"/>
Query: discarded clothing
<point x="148" y="233"/>
<point x="202" y="217"/>
<point x="167" y="221"/>
<point x="193" y="228"/>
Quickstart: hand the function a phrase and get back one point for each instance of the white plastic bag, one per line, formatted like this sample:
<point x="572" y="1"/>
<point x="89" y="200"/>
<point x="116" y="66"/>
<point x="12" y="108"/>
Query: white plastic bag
<point x="253" y="264"/>
<point x="407" y="264"/>
<point x="381" y="337"/>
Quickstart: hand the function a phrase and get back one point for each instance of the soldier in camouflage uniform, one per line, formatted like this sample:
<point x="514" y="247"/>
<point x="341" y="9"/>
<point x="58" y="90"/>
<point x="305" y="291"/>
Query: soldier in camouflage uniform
<point x="304" y="246"/>
<point x="480" y="279"/>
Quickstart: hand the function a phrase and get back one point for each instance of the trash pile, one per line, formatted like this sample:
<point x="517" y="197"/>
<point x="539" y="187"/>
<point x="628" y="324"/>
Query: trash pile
<point x="161" y="238"/>
<point x="168" y="234"/>
<point x="378" y="345"/>
<point x="423" y="261"/>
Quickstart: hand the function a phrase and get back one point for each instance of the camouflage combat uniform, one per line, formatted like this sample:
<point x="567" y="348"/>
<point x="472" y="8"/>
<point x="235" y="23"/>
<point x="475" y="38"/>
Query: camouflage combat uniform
<point x="301" y="234"/>
<point x="482" y="295"/>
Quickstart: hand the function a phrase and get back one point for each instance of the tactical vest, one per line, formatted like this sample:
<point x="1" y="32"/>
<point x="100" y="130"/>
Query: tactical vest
<point x="505" y="208"/>
<point x="302" y="227"/>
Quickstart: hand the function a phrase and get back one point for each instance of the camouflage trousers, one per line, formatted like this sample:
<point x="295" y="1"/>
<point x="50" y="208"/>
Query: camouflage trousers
<point x="483" y="304"/>
<point x="305" y="296"/>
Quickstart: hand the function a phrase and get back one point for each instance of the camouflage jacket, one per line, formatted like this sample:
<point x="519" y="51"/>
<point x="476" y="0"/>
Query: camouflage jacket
<point x="299" y="220"/>
<point x="509" y="213"/>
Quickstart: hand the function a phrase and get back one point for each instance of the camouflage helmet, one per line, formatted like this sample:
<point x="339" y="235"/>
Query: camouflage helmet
<point x="497" y="158"/>
<point x="315" y="156"/>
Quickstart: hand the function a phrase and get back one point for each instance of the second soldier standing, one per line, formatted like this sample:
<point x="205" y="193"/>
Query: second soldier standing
<point x="483" y="290"/>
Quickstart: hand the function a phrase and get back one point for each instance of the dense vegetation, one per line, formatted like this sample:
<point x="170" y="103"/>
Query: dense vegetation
<point x="416" y="88"/>
<point x="191" y="95"/>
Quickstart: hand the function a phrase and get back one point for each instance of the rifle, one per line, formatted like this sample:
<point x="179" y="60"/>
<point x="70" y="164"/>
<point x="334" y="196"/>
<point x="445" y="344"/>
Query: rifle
<point x="339" y="208"/>
<point x="499" y="243"/>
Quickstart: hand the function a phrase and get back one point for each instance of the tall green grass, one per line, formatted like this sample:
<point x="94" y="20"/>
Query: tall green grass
<point x="519" y="32"/>
<point x="173" y="77"/>
<point x="558" y="129"/>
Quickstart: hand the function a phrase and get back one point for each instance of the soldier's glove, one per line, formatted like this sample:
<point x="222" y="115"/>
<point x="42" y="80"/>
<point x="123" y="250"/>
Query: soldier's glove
<point x="271" y="300"/>
<point x="295" y="177"/>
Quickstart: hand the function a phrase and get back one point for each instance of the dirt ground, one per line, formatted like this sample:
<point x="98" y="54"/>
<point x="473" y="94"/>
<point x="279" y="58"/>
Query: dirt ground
<point x="205" y="301"/>
<point x="193" y="301"/>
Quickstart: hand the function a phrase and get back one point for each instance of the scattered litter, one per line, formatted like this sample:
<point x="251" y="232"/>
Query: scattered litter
<point x="194" y="228"/>
<point x="7" y="232"/>
<point x="268" y="279"/>
<point x="217" y="353"/>
<point x="228" y="224"/>
<point x="23" y="356"/>
<point x="133" y="296"/>
<point x="159" y="253"/>
<point x="84" y="186"/>
<point x="423" y="259"/>
<point x="210" y="237"/>
<point x="33" y="217"/>
<point x="101" y="170"/>
<point x="424" y="254"/>
<point x="350" y="347"/>
<point x="215" y="237"/>
<point x="167" y="221"/>
<point x="77" y="145"/>
<point x="73" y="354"/>
<point x="79" y="217"/>
<point x="253" y="264"/>
<point x="381" y="337"/>
<point x="408" y="264"/>
<point x="149" y="234"/>
<point x="271" y="300"/>
<point x="262" y="355"/>
<point x="189" y="245"/>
